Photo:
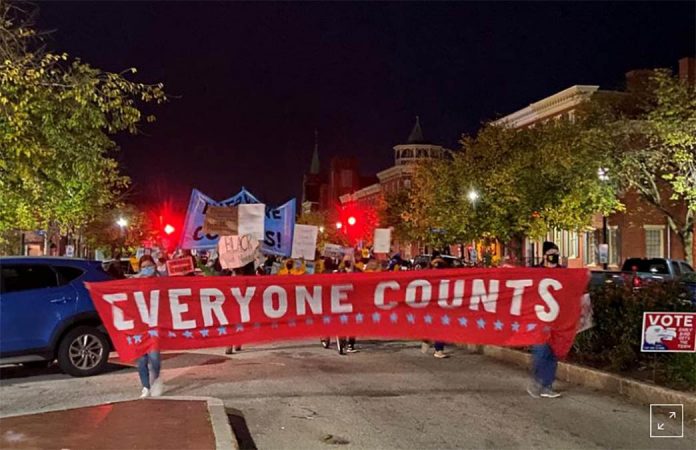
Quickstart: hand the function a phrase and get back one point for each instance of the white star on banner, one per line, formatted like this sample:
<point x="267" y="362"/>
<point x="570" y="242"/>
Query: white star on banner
<point x="481" y="323"/>
<point x="376" y="317"/>
<point x="445" y="320"/>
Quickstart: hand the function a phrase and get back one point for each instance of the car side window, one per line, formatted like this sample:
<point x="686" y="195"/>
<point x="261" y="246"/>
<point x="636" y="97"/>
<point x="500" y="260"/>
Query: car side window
<point x="675" y="268"/>
<point x="25" y="277"/>
<point x="66" y="274"/>
<point x="685" y="268"/>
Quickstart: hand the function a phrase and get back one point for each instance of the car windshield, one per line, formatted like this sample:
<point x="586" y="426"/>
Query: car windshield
<point x="653" y="265"/>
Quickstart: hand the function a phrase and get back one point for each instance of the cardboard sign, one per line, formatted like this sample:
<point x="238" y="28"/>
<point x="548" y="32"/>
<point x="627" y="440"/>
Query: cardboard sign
<point x="668" y="332"/>
<point x="304" y="243"/>
<point x="181" y="266"/>
<point x="251" y="220"/>
<point x="237" y="251"/>
<point x="221" y="220"/>
<point x="382" y="240"/>
<point x="337" y="251"/>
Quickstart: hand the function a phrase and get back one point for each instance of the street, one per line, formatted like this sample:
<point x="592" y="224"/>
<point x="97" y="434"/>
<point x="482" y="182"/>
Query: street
<point x="389" y="395"/>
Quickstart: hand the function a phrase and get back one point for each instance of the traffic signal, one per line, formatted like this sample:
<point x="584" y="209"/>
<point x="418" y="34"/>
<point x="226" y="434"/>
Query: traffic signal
<point x="351" y="221"/>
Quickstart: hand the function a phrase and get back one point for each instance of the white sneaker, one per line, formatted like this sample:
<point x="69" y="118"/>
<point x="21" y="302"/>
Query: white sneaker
<point x="533" y="389"/>
<point x="440" y="354"/>
<point x="145" y="393"/>
<point x="157" y="387"/>
<point x="425" y="347"/>
<point x="549" y="393"/>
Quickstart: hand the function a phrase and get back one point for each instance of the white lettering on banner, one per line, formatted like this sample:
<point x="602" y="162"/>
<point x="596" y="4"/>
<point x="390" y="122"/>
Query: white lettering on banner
<point x="411" y="289"/>
<point x="243" y="301"/>
<point x="458" y="297"/>
<point x="518" y="286"/>
<point x="211" y="303"/>
<point x="120" y="322"/>
<point x="268" y="308"/>
<point x="554" y="309"/>
<point x="304" y="298"/>
<point x="339" y="292"/>
<point x="149" y="316"/>
<point x="479" y="295"/>
<point x="177" y="309"/>
<point x="379" y="294"/>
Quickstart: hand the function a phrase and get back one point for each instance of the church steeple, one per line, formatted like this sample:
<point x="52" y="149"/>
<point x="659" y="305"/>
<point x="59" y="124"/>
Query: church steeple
<point x="314" y="167"/>
<point x="416" y="136"/>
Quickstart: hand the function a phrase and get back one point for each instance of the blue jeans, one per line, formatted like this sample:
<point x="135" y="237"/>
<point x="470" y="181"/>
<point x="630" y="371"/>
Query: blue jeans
<point x="439" y="346"/>
<point x="544" y="364"/>
<point x="153" y="358"/>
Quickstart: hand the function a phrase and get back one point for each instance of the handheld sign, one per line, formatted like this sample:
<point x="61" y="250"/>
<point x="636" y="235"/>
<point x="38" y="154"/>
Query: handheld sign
<point x="221" y="220"/>
<point x="304" y="243"/>
<point x="180" y="267"/>
<point x="251" y="220"/>
<point x="382" y="240"/>
<point x="237" y="251"/>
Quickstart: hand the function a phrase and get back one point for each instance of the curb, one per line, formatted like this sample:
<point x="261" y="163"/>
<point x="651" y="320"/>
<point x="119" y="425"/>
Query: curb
<point x="636" y="391"/>
<point x="222" y="430"/>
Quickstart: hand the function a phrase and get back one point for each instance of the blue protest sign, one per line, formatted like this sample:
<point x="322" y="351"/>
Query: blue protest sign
<point x="279" y="223"/>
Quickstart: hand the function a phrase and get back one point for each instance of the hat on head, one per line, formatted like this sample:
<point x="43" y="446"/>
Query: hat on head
<point x="548" y="245"/>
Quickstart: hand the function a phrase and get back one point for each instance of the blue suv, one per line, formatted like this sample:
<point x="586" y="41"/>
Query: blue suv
<point x="46" y="314"/>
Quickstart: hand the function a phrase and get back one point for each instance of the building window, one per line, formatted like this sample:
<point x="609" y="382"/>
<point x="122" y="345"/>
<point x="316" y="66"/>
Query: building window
<point x="654" y="241"/>
<point x="572" y="244"/>
<point x="407" y="183"/>
<point x="614" y="246"/>
<point x="346" y="178"/>
<point x="590" y="254"/>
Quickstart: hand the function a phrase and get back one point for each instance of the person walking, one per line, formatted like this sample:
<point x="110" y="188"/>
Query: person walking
<point x="149" y="364"/>
<point x="347" y="344"/>
<point x="544" y="361"/>
<point x="437" y="262"/>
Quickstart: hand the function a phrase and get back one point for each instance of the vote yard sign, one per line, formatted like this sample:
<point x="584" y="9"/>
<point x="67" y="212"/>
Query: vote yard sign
<point x="669" y="332"/>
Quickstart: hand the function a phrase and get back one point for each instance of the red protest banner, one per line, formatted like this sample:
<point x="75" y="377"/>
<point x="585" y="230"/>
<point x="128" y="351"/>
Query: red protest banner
<point x="669" y="332"/>
<point x="512" y="307"/>
<point x="181" y="266"/>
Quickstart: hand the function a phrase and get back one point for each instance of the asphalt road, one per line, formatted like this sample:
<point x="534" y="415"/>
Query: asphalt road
<point x="297" y="395"/>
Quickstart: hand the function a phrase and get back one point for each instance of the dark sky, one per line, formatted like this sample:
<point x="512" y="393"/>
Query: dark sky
<point x="254" y="80"/>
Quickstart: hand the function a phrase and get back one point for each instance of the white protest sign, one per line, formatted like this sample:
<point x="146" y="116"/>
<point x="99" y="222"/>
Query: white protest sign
<point x="70" y="251"/>
<point x="382" y="240"/>
<point x="251" y="220"/>
<point x="304" y="242"/>
<point x="236" y="251"/>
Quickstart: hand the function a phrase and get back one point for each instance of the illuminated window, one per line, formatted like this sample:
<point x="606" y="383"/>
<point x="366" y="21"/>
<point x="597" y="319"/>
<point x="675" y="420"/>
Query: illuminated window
<point x="654" y="241"/>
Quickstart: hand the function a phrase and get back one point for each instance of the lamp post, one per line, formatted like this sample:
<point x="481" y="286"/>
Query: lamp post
<point x="603" y="175"/>
<point x="122" y="224"/>
<point x="473" y="197"/>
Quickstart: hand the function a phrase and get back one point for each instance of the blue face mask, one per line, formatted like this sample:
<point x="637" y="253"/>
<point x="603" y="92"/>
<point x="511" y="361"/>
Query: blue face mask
<point x="147" y="271"/>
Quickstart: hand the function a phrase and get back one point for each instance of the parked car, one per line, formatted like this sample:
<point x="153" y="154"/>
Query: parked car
<point x="423" y="261"/>
<point x="46" y="314"/>
<point x="638" y="271"/>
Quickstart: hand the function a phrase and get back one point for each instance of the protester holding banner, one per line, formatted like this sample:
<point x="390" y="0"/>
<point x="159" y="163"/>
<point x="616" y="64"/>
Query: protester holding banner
<point x="544" y="361"/>
<point x="149" y="364"/>
<point x="347" y="344"/>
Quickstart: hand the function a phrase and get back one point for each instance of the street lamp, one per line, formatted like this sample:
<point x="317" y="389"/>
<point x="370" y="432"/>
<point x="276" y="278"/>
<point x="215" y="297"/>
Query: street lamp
<point x="473" y="196"/>
<point x="339" y="225"/>
<point x="603" y="175"/>
<point x="121" y="222"/>
<point x="321" y="229"/>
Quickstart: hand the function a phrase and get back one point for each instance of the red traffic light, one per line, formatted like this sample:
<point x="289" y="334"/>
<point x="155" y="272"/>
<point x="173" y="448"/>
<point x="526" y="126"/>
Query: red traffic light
<point x="168" y="229"/>
<point x="351" y="221"/>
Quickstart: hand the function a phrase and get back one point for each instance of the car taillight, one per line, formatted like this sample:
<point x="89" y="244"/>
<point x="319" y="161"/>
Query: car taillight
<point x="637" y="282"/>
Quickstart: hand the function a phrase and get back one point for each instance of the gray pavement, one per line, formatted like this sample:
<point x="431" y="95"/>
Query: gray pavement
<point x="297" y="395"/>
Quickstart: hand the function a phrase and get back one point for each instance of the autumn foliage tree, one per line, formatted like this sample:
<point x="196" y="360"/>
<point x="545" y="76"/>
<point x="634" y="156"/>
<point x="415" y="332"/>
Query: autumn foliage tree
<point x="57" y="118"/>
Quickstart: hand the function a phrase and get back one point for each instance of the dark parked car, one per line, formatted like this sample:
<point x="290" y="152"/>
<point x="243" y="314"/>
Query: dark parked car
<point x="46" y="314"/>
<point x="423" y="261"/>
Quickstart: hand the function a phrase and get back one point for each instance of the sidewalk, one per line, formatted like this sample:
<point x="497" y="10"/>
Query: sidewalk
<point x="135" y="424"/>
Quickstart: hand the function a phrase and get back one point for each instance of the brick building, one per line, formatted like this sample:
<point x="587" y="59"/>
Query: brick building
<point x="642" y="230"/>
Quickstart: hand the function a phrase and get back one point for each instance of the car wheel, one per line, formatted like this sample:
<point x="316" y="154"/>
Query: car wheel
<point x="84" y="351"/>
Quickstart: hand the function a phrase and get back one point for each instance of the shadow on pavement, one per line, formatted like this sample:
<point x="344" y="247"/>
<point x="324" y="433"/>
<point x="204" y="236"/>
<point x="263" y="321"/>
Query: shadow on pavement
<point x="240" y="429"/>
<point x="52" y="372"/>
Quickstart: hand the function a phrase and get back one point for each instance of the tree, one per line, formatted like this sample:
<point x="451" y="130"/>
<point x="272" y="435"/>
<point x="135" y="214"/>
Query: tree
<point x="56" y="117"/>
<point x="328" y="234"/>
<point x="657" y="155"/>
<point x="103" y="232"/>
<point x="506" y="184"/>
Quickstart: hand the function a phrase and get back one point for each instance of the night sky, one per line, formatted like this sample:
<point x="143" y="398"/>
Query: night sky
<point x="253" y="80"/>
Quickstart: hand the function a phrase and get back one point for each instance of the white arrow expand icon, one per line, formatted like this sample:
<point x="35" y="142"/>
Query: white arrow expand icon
<point x="673" y="415"/>
<point x="660" y="426"/>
